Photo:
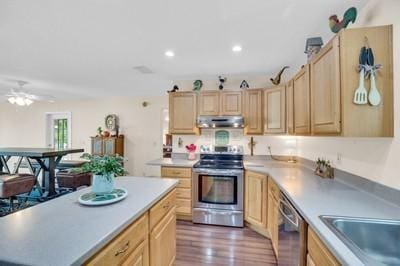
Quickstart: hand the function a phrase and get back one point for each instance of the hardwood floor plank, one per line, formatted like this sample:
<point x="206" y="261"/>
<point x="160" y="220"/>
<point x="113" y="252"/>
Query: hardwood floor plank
<point x="217" y="245"/>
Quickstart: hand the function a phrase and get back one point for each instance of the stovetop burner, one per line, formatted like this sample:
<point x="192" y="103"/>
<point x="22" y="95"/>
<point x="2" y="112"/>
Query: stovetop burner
<point x="220" y="161"/>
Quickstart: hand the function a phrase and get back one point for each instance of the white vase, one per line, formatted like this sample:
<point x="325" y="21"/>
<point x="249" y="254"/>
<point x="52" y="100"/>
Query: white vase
<point x="102" y="184"/>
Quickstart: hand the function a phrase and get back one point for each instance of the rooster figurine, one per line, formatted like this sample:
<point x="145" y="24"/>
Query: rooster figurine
<point x="349" y="16"/>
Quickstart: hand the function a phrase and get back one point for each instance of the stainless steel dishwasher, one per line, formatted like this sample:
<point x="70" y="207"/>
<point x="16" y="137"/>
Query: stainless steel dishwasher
<point x="292" y="250"/>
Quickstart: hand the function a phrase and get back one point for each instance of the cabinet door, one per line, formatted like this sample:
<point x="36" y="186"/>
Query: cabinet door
<point x="163" y="241"/>
<point x="97" y="146"/>
<point x="253" y="117"/>
<point x="273" y="221"/>
<point x="275" y="110"/>
<point x="325" y="90"/>
<point x="256" y="199"/>
<point x="140" y="256"/>
<point x="289" y="108"/>
<point x="231" y="103"/>
<point x="182" y="113"/>
<point x="109" y="146"/>
<point x="209" y="103"/>
<point x="301" y="101"/>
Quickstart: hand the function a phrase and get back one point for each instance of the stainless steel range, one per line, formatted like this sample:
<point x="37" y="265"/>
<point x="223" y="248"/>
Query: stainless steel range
<point x="218" y="186"/>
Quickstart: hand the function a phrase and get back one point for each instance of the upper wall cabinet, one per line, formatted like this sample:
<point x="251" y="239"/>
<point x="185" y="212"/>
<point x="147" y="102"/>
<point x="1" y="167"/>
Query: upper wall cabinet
<point x="220" y="103"/>
<point x="231" y="103"/>
<point x="209" y="103"/>
<point x="275" y="109"/>
<point x="182" y="113"/>
<point x="301" y="101"/>
<point x="325" y="90"/>
<point x="253" y="113"/>
<point x="366" y="120"/>
<point x="289" y="108"/>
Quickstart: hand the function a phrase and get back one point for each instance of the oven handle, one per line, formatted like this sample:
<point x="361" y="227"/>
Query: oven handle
<point x="292" y="210"/>
<point x="224" y="172"/>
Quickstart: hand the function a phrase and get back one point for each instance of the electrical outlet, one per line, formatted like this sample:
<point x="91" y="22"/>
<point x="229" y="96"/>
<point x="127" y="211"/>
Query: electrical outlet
<point x="339" y="158"/>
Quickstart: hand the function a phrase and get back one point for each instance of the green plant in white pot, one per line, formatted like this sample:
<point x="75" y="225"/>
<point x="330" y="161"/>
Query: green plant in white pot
<point x="104" y="169"/>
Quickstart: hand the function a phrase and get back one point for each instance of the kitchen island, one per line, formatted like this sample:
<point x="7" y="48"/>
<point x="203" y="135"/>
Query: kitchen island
<point x="63" y="232"/>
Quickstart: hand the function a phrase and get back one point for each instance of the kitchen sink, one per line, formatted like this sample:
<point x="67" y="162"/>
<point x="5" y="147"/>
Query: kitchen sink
<point x="374" y="241"/>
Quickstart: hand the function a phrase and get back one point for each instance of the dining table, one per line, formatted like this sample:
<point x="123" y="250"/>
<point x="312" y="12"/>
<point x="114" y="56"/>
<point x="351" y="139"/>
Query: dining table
<point x="45" y="160"/>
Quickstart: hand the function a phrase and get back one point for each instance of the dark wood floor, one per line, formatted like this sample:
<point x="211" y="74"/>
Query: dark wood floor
<point x="217" y="245"/>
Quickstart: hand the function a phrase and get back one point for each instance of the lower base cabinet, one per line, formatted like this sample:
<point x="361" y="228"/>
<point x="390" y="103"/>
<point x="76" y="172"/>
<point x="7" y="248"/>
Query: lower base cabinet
<point x="273" y="213"/>
<point x="150" y="240"/>
<point x="163" y="241"/>
<point x="317" y="252"/>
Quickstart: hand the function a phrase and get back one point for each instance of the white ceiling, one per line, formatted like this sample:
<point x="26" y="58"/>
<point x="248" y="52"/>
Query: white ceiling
<point x="87" y="48"/>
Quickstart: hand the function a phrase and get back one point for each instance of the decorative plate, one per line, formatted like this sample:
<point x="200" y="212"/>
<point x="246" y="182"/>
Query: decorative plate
<point x="93" y="199"/>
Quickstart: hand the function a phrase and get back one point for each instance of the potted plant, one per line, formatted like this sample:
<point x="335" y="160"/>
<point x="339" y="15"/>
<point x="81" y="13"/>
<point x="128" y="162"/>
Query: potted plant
<point x="104" y="169"/>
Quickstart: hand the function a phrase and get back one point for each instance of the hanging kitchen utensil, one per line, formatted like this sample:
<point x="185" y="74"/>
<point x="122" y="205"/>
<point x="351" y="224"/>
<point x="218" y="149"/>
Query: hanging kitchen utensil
<point x="374" y="97"/>
<point x="360" y="95"/>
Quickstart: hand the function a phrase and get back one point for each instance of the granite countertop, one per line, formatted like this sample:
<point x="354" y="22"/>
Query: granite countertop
<point x="174" y="162"/>
<point x="63" y="232"/>
<point x="313" y="196"/>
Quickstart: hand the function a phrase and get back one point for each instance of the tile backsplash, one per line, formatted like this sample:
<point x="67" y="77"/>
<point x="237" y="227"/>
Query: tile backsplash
<point x="280" y="145"/>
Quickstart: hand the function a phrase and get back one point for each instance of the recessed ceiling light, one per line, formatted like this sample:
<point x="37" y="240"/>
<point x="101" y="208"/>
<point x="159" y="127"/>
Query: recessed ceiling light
<point x="169" y="53"/>
<point x="237" y="48"/>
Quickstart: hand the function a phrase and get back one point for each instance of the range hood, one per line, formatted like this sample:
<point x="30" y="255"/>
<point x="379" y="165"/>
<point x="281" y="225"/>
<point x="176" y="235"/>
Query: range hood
<point x="220" y="121"/>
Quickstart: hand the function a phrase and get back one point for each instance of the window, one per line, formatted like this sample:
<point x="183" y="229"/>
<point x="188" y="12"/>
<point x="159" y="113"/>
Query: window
<point x="58" y="130"/>
<point x="60" y="133"/>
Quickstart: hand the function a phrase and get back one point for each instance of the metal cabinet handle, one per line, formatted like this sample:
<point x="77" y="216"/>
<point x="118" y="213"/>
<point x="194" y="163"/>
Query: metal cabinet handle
<point x="123" y="250"/>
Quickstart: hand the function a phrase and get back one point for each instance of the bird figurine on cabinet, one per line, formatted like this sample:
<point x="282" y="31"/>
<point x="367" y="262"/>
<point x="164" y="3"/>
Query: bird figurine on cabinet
<point x="221" y="82"/>
<point x="174" y="89"/>
<point x="277" y="79"/>
<point x="349" y="16"/>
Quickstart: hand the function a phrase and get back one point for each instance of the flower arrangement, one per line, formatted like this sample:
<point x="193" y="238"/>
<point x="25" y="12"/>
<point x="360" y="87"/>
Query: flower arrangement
<point x="191" y="150"/>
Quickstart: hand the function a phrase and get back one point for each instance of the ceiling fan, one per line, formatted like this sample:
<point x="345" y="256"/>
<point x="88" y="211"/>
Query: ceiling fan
<point x="23" y="97"/>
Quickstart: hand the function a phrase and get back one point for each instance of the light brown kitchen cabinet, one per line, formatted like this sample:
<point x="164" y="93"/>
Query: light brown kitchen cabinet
<point x="289" y="108"/>
<point x="140" y="256"/>
<point x="301" y="102"/>
<point x="256" y="199"/>
<point x="220" y="103"/>
<point x="273" y="213"/>
<point x="231" y="103"/>
<point x="325" y="90"/>
<point x="182" y="113"/>
<point x="275" y="110"/>
<point x="366" y="120"/>
<point x="130" y="245"/>
<point x="253" y="113"/>
<point x="317" y="252"/>
<point x="209" y="102"/>
<point x="163" y="241"/>
<point x="183" y="191"/>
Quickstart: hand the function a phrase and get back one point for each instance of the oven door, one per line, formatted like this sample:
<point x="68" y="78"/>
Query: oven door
<point x="218" y="189"/>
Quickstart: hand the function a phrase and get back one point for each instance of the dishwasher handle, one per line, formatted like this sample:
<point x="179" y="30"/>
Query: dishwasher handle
<point x="293" y="213"/>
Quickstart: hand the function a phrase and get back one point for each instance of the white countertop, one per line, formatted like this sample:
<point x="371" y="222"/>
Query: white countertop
<point x="313" y="196"/>
<point x="172" y="162"/>
<point x="63" y="232"/>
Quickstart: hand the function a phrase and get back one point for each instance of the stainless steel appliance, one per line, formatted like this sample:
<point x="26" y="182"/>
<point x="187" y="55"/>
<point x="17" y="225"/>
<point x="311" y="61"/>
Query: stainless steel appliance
<point x="220" y="121"/>
<point x="218" y="186"/>
<point x="292" y="235"/>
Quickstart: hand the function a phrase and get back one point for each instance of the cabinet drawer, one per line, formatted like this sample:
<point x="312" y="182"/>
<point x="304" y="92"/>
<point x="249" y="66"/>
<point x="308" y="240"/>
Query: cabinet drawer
<point x="273" y="188"/>
<point x="176" y="172"/>
<point x="184" y="206"/>
<point x="123" y="245"/>
<point x="162" y="208"/>
<point x="183" y="193"/>
<point x="184" y="183"/>
<point x="318" y="252"/>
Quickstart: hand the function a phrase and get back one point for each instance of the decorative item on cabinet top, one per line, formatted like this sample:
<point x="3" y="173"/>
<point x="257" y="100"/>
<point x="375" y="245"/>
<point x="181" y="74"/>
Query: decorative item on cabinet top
<point x="313" y="46"/>
<point x="244" y="85"/>
<point x="349" y="16"/>
<point x="197" y="84"/>
<point x="222" y="80"/>
<point x="277" y="79"/>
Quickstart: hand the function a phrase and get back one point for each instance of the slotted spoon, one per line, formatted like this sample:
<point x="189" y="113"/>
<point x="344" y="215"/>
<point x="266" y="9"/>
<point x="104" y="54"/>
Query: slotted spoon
<point x="361" y="94"/>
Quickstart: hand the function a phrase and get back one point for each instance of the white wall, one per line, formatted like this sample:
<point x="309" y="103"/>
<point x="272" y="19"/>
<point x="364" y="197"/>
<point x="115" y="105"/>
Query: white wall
<point x="142" y="126"/>
<point x="373" y="158"/>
